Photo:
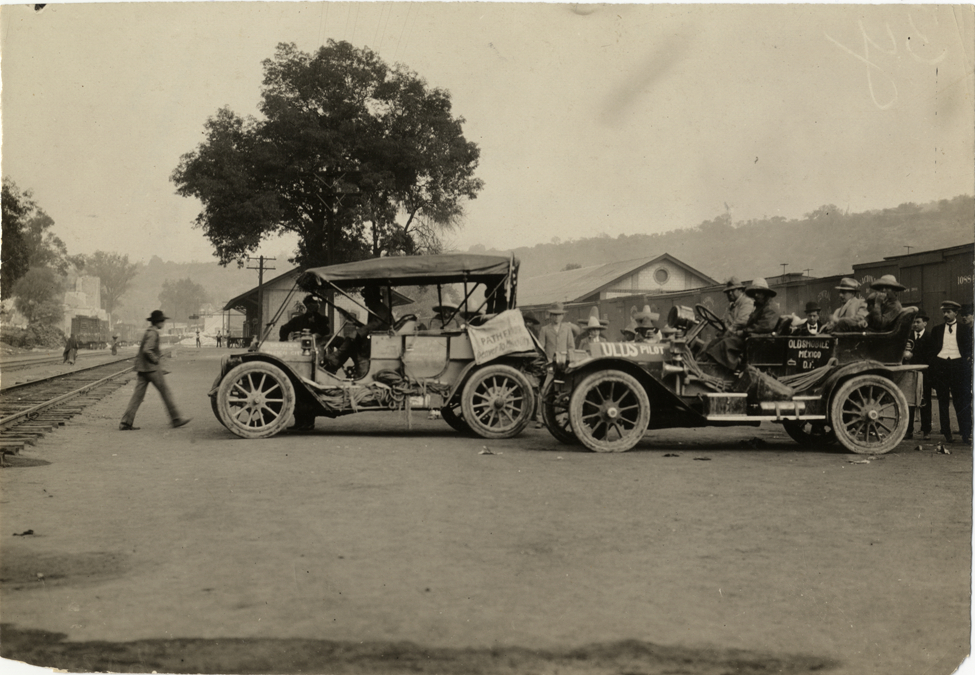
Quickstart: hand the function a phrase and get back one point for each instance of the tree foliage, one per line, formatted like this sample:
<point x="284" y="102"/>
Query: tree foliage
<point x="115" y="272"/>
<point x="357" y="158"/>
<point x="181" y="298"/>
<point x="27" y="238"/>
<point x="38" y="296"/>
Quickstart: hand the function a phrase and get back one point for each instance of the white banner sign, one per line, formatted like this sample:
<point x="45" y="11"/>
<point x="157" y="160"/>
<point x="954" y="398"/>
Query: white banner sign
<point x="504" y="334"/>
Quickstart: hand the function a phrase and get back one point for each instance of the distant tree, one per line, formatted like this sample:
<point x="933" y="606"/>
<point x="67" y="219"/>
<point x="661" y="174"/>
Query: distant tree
<point x="38" y="296"/>
<point x="571" y="266"/>
<point x="356" y="157"/>
<point x="115" y="272"/>
<point x="181" y="298"/>
<point x="823" y="212"/>
<point x="27" y="239"/>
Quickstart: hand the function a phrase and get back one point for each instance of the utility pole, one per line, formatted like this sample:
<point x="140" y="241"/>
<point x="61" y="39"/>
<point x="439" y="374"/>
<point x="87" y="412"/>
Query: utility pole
<point x="784" y="265"/>
<point x="908" y="249"/>
<point x="260" y="290"/>
<point x="807" y="271"/>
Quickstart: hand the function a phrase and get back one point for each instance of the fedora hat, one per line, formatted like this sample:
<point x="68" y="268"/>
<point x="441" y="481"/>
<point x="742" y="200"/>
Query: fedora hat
<point x="644" y="317"/>
<point x="732" y="284"/>
<point x="848" y="284"/>
<point x="759" y="284"/>
<point x="950" y="304"/>
<point x="556" y="308"/>
<point x="811" y="306"/>
<point x="157" y="316"/>
<point x="888" y="281"/>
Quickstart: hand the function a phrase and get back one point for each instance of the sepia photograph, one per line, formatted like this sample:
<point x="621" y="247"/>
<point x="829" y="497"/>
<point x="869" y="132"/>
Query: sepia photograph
<point x="486" y="338"/>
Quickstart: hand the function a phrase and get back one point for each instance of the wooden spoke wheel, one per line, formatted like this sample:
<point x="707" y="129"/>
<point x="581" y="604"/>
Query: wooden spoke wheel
<point x="498" y="402"/>
<point x="811" y="434"/>
<point x="256" y="400"/>
<point x="453" y="415"/>
<point x="868" y="414"/>
<point x="216" y="409"/>
<point x="555" y="414"/>
<point x="609" y="411"/>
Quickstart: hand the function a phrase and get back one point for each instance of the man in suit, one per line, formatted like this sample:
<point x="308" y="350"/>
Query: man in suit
<point x="951" y="371"/>
<point x="558" y="337"/>
<point x="921" y="355"/>
<point x="812" y="325"/>
<point x="149" y="371"/>
<point x="852" y="313"/>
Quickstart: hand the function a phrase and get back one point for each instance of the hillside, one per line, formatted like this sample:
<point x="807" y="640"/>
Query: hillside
<point x="825" y="242"/>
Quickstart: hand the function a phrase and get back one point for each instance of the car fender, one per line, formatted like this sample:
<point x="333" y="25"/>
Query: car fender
<point x="655" y="390"/>
<point x="515" y="360"/>
<point x="862" y="367"/>
<point x="228" y="363"/>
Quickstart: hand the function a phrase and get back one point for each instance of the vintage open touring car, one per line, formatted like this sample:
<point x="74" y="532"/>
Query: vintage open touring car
<point x="848" y="387"/>
<point x="478" y="370"/>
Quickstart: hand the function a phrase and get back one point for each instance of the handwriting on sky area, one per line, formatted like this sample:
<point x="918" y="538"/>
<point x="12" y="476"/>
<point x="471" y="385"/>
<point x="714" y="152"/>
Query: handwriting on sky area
<point x="888" y="49"/>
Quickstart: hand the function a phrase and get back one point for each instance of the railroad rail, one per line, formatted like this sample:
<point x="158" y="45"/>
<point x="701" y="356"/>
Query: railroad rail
<point x="30" y="410"/>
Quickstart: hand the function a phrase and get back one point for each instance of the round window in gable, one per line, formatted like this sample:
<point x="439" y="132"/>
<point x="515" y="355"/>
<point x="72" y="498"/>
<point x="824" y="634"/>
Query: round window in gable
<point x="660" y="276"/>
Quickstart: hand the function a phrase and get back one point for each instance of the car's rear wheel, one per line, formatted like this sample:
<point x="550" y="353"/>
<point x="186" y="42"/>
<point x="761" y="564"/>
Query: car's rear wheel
<point x="609" y="411"/>
<point x="452" y="414"/>
<point x="555" y="414"/>
<point x="216" y="409"/>
<point x="498" y="402"/>
<point x="810" y="434"/>
<point x="868" y="413"/>
<point x="256" y="400"/>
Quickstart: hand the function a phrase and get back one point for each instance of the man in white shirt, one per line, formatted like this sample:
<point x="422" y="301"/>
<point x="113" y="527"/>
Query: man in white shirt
<point x="951" y="371"/>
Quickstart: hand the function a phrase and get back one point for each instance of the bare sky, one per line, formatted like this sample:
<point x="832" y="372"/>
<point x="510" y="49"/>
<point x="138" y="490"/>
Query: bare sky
<point x="590" y="118"/>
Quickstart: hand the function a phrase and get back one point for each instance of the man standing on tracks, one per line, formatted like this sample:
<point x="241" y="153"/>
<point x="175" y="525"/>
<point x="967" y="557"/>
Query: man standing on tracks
<point x="951" y="371"/>
<point x="148" y="371"/>
<point x="70" y="350"/>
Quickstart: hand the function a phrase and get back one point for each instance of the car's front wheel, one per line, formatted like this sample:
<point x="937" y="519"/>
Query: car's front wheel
<point x="609" y="411"/>
<point x="498" y="401"/>
<point x="256" y="400"/>
<point x="555" y="414"/>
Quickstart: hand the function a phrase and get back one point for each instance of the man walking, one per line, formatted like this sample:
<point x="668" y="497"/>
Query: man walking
<point x="148" y="371"/>
<point x="951" y="371"/>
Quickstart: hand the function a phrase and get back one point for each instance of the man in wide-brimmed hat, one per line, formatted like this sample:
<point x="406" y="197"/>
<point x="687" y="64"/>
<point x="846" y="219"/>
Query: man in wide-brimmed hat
<point x="740" y="306"/>
<point x="883" y="307"/>
<point x="559" y="336"/>
<point x="646" y="330"/>
<point x="728" y="349"/>
<point x="951" y="371"/>
<point x="594" y="330"/>
<point x="852" y="313"/>
<point x="148" y="371"/>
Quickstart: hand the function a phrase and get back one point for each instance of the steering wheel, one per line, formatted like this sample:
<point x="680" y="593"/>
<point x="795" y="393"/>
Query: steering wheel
<point x="710" y="317"/>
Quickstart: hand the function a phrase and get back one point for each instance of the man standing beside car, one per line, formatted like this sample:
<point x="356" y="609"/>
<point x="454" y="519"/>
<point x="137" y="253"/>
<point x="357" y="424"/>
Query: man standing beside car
<point x="951" y="371"/>
<point x="921" y="355"/>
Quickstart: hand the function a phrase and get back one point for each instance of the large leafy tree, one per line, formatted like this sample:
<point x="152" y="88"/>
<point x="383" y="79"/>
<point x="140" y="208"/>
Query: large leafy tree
<point x="27" y="238"/>
<point x="38" y="296"/>
<point x="182" y="297"/>
<point x="357" y="158"/>
<point x="115" y="272"/>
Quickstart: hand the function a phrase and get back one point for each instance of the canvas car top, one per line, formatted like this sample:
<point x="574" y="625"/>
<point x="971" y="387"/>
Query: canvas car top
<point x="410" y="270"/>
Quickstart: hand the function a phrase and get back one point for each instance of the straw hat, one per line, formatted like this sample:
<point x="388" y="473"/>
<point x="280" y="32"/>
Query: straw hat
<point x="848" y="284"/>
<point x="888" y="281"/>
<point x="645" y="317"/>
<point x="594" y="323"/>
<point x="757" y="285"/>
<point x="732" y="284"/>
<point x="630" y="329"/>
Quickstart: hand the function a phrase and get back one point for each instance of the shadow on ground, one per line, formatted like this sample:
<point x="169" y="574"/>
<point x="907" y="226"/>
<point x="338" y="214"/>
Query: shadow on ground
<point x="631" y="657"/>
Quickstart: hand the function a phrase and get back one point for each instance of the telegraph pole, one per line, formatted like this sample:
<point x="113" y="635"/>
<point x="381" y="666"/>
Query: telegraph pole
<point x="260" y="290"/>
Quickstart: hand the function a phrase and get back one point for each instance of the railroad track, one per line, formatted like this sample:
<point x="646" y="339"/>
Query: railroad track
<point x="30" y="410"/>
<point x="11" y="363"/>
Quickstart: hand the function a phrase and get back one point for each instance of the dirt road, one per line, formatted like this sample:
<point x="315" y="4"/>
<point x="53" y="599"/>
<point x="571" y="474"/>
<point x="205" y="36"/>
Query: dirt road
<point x="371" y="547"/>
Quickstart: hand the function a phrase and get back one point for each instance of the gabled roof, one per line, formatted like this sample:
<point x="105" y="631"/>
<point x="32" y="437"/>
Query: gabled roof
<point x="578" y="284"/>
<point x="249" y="297"/>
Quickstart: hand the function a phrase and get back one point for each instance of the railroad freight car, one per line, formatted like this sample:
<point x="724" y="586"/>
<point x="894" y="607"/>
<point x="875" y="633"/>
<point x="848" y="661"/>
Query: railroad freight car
<point x="90" y="332"/>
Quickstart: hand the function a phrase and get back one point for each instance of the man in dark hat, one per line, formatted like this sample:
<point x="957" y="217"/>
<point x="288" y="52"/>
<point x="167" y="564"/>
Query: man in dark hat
<point x="965" y="316"/>
<point x="531" y="323"/>
<point x="148" y="371"/>
<point x="951" y="371"/>
<point x="812" y="324"/>
<point x="883" y="307"/>
<point x="311" y="319"/>
<point x="920" y="354"/>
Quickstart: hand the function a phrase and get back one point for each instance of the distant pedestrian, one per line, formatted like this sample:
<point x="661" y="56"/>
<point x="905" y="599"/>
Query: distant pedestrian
<point x="70" y="350"/>
<point x="149" y="371"/>
<point x="219" y="339"/>
<point x="115" y="345"/>
<point x="951" y="371"/>
<point x="197" y="338"/>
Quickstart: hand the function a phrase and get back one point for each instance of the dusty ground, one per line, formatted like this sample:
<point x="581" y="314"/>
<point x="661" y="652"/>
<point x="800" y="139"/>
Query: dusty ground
<point x="368" y="547"/>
